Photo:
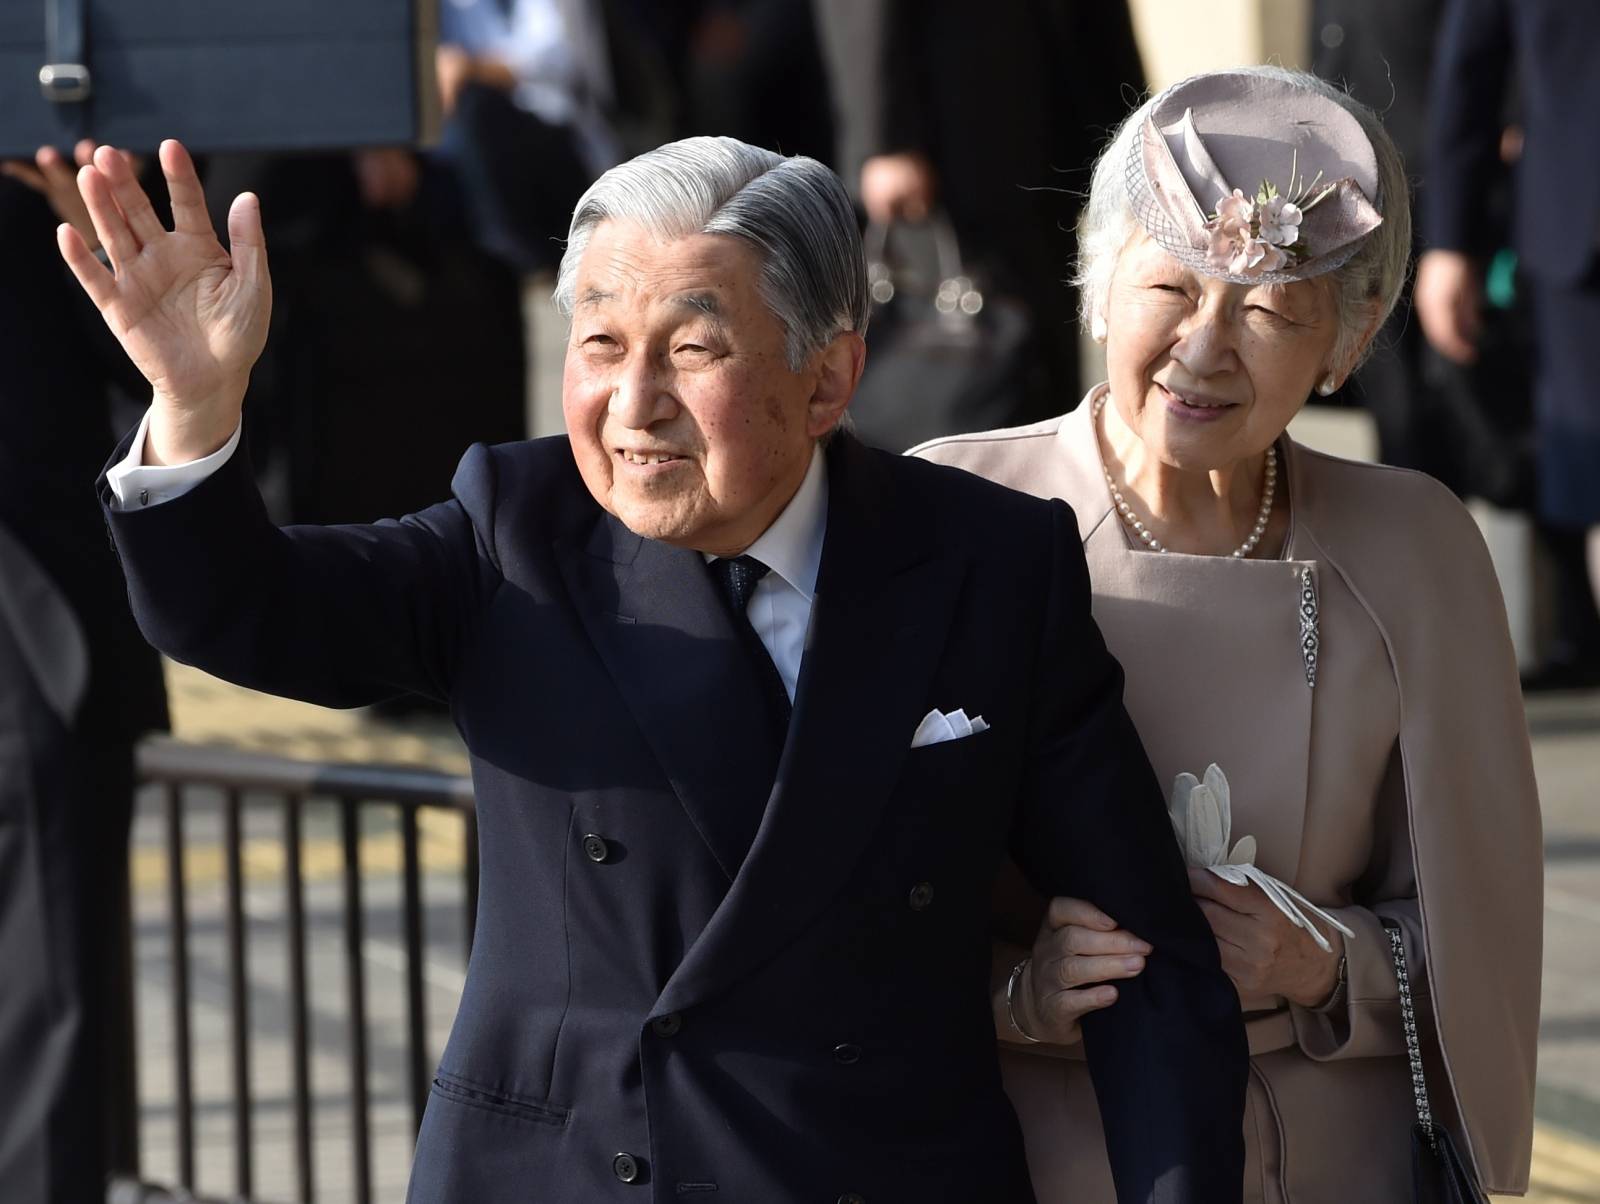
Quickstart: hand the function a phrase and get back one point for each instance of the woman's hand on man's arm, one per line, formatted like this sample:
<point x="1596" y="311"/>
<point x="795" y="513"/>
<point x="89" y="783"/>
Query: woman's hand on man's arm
<point x="1078" y="953"/>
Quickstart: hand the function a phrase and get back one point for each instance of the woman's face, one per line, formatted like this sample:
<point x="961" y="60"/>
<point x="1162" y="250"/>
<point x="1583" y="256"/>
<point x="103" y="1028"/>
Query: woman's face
<point x="1206" y="372"/>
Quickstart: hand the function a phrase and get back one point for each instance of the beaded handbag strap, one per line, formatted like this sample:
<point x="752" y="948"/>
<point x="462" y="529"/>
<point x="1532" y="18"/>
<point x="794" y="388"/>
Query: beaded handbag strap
<point x="1408" y="1017"/>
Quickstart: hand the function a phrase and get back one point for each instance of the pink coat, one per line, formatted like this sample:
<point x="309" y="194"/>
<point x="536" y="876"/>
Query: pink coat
<point x="1399" y="785"/>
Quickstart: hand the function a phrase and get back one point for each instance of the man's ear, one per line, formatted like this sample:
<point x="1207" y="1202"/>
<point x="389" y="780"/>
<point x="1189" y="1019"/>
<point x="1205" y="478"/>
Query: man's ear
<point x="838" y="371"/>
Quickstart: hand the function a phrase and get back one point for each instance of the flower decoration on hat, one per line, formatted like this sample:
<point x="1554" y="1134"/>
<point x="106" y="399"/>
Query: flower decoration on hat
<point x="1252" y="235"/>
<point x="1202" y="135"/>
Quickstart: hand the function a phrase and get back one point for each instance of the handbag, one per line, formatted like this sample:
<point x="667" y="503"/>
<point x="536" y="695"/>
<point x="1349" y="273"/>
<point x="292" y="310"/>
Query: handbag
<point x="945" y="353"/>
<point x="1439" y="1174"/>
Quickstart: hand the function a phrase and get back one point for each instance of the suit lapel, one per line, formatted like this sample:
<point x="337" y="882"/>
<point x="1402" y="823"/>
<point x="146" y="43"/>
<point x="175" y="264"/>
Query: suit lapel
<point x="884" y="602"/>
<point x="668" y="642"/>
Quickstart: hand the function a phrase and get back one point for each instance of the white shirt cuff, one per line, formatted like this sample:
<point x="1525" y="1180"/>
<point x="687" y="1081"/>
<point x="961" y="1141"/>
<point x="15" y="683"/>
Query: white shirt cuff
<point x="135" y="485"/>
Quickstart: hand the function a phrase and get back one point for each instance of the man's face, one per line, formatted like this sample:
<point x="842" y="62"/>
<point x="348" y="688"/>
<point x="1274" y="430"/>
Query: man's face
<point x="685" y="419"/>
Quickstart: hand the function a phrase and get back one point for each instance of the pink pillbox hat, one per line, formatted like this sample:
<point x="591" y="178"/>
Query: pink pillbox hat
<point x="1304" y="172"/>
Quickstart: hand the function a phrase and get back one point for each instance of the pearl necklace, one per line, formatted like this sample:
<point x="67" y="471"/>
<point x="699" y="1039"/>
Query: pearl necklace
<point x="1147" y="536"/>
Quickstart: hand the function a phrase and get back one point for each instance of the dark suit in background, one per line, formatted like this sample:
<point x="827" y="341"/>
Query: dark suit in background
<point x="708" y="961"/>
<point x="78" y="685"/>
<point x="1551" y="48"/>
<point x="1011" y="101"/>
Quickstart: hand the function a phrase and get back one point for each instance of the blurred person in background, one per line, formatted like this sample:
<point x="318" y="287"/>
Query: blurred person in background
<point x="1550" y="47"/>
<point x="526" y="87"/>
<point x="754" y="72"/>
<point x="994" y="121"/>
<point x="387" y="306"/>
<point x="1271" y="608"/>
<point x="78" y="687"/>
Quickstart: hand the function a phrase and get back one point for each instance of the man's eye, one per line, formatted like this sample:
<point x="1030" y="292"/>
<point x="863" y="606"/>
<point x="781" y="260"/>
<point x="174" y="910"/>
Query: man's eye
<point x="693" y="349"/>
<point x="599" y="340"/>
<point x="1169" y="288"/>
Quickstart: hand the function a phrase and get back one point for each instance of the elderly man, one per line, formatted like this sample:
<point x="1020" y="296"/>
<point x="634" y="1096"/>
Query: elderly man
<point x="722" y="948"/>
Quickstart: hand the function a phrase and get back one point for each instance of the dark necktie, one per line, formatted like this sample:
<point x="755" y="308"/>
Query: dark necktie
<point x="737" y="577"/>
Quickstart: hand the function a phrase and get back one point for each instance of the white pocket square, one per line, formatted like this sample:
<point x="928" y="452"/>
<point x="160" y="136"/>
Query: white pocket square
<point x="937" y="727"/>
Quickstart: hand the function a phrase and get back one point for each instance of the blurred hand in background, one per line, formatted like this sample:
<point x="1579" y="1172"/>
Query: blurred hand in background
<point x="52" y="177"/>
<point x="1449" y="302"/>
<point x="898" y="187"/>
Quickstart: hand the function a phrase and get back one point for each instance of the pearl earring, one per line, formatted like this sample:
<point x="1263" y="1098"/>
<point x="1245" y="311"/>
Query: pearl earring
<point x="1328" y="385"/>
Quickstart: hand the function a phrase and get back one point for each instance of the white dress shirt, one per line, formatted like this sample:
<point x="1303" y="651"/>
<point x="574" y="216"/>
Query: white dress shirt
<point x="780" y="605"/>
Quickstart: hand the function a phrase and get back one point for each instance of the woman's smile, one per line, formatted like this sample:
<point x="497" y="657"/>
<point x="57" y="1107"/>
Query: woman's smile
<point x="1191" y="406"/>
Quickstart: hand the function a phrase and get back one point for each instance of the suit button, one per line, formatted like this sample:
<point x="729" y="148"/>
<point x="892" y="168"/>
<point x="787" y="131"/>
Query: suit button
<point x="847" y="1054"/>
<point x="669" y="1025"/>
<point x="922" y="896"/>
<point x="595" y="848"/>
<point x="626" y="1168"/>
<point x="851" y="1197"/>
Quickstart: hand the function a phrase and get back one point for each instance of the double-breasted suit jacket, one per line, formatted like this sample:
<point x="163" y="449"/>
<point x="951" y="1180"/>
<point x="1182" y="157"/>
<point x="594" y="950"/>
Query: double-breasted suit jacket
<point x="707" y="964"/>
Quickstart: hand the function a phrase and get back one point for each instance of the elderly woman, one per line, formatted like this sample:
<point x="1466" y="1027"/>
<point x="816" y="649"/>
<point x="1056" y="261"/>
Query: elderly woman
<point x="1328" y="634"/>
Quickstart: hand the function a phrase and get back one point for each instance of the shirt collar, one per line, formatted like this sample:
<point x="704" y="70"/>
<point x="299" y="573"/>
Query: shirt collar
<point x="792" y="546"/>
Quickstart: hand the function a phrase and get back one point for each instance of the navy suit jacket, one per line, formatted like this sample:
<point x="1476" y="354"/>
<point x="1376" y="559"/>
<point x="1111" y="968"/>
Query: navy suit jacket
<point x="1553" y="47"/>
<point x="769" y="978"/>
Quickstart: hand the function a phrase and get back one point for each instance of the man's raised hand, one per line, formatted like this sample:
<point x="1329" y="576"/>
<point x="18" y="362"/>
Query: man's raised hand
<point x="192" y="317"/>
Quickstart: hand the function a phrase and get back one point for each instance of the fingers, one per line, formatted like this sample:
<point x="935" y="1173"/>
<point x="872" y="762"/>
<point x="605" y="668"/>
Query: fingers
<point x="247" y="242"/>
<point x="61" y="185"/>
<point x="91" y="273"/>
<point x="129" y="195"/>
<point x="1073" y="972"/>
<point x="1064" y="911"/>
<point x="83" y="151"/>
<point x="109" y="224"/>
<point x="57" y="172"/>
<point x="1085" y="942"/>
<point x="189" y="214"/>
<point x="1206" y="885"/>
<point x="25" y="174"/>
<point x="1060" y="1012"/>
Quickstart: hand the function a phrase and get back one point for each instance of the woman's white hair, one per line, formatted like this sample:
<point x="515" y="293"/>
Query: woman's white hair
<point x="1365" y="287"/>
<point x="793" y="211"/>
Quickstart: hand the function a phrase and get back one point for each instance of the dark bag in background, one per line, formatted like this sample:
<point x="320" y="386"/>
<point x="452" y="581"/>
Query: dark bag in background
<point x="218" y="74"/>
<point x="1439" y="1175"/>
<point x="945" y="355"/>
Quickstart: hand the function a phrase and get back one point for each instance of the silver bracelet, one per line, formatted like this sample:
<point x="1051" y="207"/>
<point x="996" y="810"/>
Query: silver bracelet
<point x="1011" y="995"/>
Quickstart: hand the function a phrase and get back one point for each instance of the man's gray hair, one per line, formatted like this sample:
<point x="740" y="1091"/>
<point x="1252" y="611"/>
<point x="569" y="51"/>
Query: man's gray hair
<point x="1367" y="285"/>
<point x="793" y="211"/>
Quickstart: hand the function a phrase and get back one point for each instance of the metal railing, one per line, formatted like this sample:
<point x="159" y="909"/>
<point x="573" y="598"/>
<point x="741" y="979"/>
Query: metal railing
<point x="248" y="783"/>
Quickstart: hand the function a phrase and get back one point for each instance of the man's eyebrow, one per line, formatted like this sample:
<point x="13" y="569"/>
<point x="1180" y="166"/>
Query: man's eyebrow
<point x="596" y="296"/>
<point x="706" y="303"/>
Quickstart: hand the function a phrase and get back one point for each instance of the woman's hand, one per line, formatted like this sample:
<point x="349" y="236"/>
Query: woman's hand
<point x="1078" y="952"/>
<point x="192" y="317"/>
<point x="1263" y="952"/>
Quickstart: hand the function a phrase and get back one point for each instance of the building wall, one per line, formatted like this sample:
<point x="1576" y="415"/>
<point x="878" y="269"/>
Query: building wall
<point x="1180" y="37"/>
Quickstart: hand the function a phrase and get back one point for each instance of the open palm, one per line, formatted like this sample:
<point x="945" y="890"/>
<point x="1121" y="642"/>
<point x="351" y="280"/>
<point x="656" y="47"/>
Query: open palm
<point x="192" y="317"/>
